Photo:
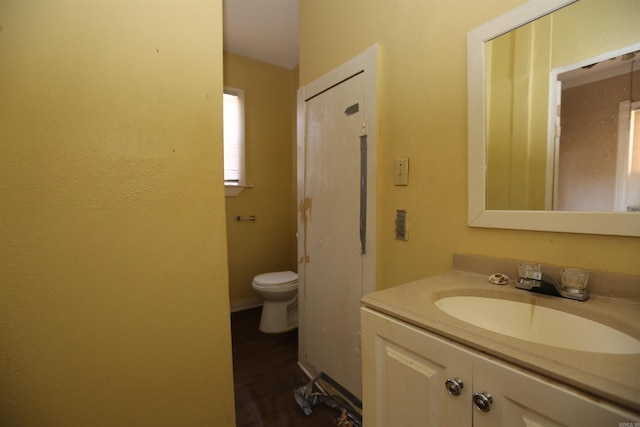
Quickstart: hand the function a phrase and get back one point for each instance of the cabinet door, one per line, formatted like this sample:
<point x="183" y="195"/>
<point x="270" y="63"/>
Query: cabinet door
<point x="526" y="399"/>
<point x="404" y="374"/>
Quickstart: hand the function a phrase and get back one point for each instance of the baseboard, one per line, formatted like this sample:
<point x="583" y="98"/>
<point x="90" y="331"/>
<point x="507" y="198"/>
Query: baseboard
<point x="246" y="304"/>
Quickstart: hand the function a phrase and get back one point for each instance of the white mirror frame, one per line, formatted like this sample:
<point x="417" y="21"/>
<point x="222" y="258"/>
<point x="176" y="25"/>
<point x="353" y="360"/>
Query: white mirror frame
<point x="608" y="223"/>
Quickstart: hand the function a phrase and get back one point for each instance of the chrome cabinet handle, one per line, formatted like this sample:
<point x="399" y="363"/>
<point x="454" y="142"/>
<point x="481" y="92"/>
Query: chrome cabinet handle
<point x="482" y="401"/>
<point x="454" y="386"/>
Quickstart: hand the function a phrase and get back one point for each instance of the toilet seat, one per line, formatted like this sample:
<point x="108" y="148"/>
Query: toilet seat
<point x="278" y="278"/>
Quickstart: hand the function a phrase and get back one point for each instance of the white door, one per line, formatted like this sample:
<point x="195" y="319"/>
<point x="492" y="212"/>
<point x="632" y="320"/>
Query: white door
<point x="337" y="232"/>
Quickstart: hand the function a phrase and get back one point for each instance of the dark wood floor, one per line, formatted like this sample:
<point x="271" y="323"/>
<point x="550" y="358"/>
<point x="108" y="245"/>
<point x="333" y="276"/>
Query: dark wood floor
<point x="266" y="374"/>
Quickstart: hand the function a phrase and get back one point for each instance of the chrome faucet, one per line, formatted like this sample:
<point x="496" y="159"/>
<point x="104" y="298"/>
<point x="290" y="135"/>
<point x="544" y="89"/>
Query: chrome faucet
<point x="535" y="281"/>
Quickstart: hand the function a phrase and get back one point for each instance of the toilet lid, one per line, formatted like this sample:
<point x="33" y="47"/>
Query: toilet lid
<point x="276" y="278"/>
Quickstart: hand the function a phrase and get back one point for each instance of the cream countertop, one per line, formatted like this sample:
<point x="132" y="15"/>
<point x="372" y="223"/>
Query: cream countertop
<point x="609" y="376"/>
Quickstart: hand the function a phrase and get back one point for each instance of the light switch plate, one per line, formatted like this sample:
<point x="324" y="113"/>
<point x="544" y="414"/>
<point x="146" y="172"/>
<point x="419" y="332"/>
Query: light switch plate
<point x="401" y="172"/>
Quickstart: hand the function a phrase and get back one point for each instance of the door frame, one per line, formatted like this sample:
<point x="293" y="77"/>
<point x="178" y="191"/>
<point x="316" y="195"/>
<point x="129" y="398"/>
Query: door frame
<point x="366" y="63"/>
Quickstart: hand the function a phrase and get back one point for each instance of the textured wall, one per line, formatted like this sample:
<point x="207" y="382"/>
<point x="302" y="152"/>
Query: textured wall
<point x="589" y="142"/>
<point x="113" y="267"/>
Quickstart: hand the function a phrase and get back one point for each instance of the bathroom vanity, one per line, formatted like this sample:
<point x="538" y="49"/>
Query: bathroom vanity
<point x="424" y="366"/>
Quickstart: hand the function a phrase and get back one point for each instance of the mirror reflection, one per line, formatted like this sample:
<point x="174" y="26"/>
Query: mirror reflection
<point x="598" y="162"/>
<point x="563" y="111"/>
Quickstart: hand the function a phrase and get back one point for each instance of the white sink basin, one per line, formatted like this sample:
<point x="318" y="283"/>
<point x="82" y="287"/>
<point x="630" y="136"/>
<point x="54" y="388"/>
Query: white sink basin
<point x="538" y="324"/>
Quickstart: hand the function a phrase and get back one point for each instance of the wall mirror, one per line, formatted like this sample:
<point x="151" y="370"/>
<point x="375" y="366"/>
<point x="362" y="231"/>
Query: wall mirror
<point x="553" y="91"/>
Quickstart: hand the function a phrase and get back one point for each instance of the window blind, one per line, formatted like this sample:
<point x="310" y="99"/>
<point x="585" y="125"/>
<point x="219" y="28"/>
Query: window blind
<point x="233" y="136"/>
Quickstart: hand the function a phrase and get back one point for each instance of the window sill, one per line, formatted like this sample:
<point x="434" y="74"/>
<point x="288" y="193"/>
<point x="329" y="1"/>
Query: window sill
<point x="232" y="190"/>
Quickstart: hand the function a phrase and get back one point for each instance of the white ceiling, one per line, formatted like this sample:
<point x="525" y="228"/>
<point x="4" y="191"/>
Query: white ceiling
<point x="266" y="30"/>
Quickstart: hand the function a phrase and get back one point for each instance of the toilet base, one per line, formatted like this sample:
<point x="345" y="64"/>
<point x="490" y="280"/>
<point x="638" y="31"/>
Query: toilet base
<point x="278" y="317"/>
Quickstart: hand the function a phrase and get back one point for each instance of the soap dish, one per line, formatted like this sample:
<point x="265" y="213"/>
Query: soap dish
<point x="499" y="279"/>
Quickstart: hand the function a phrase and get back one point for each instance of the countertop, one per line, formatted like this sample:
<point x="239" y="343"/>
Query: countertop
<point x="612" y="377"/>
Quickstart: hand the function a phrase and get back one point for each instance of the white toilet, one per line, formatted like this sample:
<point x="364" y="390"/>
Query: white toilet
<point x="280" y="293"/>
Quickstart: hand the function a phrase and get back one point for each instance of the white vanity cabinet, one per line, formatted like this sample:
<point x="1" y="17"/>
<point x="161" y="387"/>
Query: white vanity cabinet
<point x="404" y="375"/>
<point x="405" y="383"/>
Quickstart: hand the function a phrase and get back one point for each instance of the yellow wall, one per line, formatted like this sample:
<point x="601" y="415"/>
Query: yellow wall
<point x="517" y="70"/>
<point x="268" y="244"/>
<point x="114" y="304"/>
<point x="574" y="37"/>
<point x="423" y="101"/>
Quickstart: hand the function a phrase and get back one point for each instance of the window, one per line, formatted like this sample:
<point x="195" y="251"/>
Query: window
<point x="233" y="125"/>
<point x="628" y="168"/>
